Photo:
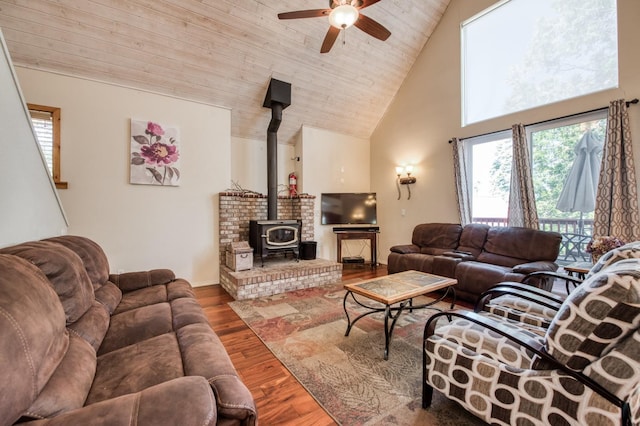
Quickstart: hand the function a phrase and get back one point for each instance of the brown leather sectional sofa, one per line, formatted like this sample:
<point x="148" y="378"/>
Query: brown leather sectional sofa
<point x="478" y="256"/>
<point x="81" y="347"/>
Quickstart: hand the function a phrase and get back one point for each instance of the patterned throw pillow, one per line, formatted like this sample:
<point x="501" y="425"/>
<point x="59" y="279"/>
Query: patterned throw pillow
<point x="596" y="315"/>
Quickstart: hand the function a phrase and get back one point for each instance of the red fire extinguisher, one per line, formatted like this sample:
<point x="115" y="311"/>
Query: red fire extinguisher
<point x="293" y="184"/>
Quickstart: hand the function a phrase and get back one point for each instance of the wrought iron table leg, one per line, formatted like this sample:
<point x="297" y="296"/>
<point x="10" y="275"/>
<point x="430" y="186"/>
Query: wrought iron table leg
<point x="344" y="306"/>
<point x="387" y="332"/>
<point x="350" y="324"/>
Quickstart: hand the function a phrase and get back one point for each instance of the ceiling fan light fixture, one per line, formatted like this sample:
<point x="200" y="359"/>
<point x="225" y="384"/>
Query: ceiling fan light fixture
<point x="343" y="16"/>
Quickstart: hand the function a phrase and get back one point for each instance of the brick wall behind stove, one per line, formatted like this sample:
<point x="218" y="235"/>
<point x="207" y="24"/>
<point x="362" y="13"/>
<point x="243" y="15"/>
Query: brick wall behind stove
<point x="237" y="209"/>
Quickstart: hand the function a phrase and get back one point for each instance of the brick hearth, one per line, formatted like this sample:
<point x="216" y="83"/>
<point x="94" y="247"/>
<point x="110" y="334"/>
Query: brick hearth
<point x="278" y="275"/>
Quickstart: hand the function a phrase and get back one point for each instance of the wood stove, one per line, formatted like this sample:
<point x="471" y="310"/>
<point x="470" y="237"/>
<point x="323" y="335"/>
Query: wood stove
<point x="269" y="237"/>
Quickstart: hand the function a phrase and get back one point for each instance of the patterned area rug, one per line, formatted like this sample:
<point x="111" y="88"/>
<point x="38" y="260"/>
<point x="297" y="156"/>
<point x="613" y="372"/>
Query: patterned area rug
<point x="348" y="376"/>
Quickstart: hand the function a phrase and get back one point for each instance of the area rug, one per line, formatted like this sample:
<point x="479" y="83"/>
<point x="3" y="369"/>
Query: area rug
<point x="348" y="375"/>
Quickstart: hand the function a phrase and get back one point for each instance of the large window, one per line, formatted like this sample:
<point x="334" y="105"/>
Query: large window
<point x="46" y="123"/>
<point x="520" y="54"/>
<point x="566" y="158"/>
<point x="565" y="154"/>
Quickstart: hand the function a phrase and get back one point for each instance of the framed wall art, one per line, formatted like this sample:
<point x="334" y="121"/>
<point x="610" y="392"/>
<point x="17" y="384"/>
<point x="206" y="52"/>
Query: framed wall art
<point x="155" y="154"/>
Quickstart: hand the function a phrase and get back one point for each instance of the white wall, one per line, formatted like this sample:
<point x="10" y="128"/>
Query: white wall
<point x="249" y="164"/>
<point x="332" y="162"/>
<point x="30" y="208"/>
<point x="139" y="226"/>
<point x="425" y="114"/>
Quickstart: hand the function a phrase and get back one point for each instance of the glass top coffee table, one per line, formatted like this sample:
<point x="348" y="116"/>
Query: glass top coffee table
<point x="399" y="290"/>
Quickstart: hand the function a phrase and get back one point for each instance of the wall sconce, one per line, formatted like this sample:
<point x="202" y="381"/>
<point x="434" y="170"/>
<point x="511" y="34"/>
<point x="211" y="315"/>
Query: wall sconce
<point x="405" y="180"/>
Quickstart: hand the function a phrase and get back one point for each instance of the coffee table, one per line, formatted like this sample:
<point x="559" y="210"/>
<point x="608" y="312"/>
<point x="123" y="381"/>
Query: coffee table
<point x="396" y="289"/>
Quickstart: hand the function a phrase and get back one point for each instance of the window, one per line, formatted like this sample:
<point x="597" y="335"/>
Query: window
<point x="490" y="162"/>
<point x="521" y="54"/>
<point x="46" y="123"/>
<point x="557" y="147"/>
<point x="565" y="154"/>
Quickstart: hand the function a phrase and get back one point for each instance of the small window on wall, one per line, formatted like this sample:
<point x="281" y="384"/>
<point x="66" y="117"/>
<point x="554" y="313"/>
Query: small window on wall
<point x="521" y="54"/>
<point x="46" y="122"/>
<point x="490" y="174"/>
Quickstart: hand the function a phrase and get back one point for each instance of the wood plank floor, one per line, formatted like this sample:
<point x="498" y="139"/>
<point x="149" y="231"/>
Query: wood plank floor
<point x="280" y="398"/>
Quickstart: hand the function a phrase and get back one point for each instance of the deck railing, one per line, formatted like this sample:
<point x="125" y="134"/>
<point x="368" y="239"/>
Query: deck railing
<point x="575" y="235"/>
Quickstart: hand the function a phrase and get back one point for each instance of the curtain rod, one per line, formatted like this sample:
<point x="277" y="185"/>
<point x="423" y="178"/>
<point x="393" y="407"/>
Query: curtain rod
<point x="628" y="103"/>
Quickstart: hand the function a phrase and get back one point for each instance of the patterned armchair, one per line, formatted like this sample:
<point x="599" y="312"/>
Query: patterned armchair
<point x="538" y="307"/>
<point x="583" y="369"/>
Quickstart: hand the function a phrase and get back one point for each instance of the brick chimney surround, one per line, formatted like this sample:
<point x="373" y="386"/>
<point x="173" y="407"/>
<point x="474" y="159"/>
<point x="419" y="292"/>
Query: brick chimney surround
<point x="279" y="275"/>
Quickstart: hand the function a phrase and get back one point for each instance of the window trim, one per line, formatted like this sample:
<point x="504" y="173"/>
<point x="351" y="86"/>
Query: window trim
<point x="55" y="121"/>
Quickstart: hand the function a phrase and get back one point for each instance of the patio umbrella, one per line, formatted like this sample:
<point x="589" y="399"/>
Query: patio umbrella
<point x="579" y="190"/>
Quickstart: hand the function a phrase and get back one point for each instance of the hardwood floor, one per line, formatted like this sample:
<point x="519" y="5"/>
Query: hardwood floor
<point x="280" y="398"/>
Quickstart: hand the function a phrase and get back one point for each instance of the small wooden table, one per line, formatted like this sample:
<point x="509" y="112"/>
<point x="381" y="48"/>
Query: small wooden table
<point x="393" y="289"/>
<point x="372" y="236"/>
<point x="581" y="269"/>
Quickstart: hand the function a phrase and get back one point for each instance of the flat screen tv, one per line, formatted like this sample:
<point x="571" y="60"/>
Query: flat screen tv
<point x="348" y="208"/>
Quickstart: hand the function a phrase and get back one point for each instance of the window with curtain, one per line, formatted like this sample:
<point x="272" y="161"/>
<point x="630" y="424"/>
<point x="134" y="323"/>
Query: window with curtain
<point x="520" y="54"/>
<point x="566" y="158"/>
<point x="46" y="123"/>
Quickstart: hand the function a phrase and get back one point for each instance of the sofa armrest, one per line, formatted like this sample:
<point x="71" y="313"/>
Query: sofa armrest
<point x="184" y="401"/>
<point x="130" y="281"/>
<point x="526" y="292"/>
<point x="527" y="268"/>
<point x="405" y="249"/>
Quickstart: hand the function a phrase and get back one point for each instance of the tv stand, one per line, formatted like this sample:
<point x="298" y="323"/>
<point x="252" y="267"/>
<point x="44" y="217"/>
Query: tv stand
<point x="358" y="233"/>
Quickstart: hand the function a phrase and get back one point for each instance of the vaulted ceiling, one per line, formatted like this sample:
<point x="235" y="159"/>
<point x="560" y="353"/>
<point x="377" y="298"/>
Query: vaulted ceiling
<point x="224" y="52"/>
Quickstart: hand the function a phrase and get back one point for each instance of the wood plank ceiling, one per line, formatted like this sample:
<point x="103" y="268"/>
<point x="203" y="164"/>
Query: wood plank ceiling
<point x="224" y="52"/>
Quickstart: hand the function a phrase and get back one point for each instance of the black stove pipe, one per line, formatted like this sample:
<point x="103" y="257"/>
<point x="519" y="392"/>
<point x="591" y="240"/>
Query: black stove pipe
<point x="272" y="161"/>
<point x="278" y="98"/>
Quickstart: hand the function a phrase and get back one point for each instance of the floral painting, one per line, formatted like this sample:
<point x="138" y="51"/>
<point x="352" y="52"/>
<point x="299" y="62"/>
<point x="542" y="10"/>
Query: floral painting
<point x="155" y="154"/>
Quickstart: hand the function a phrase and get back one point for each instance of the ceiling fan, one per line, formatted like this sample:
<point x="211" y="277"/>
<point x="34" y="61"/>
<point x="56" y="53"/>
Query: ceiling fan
<point x="342" y="14"/>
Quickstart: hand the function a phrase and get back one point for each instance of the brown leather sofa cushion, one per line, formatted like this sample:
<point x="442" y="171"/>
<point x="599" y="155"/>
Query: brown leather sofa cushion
<point x="436" y="235"/>
<point x="130" y="281"/>
<point x="93" y="257"/>
<point x="472" y="238"/>
<point x="33" y="336"/>
<point x="160" y="293"/>
<point x="510" y="246"/>
<point x="182" y="401"/>
<point x="65" y="271"/>
<point x="69" y="385"/>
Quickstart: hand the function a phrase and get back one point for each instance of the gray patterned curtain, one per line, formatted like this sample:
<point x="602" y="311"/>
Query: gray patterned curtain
<point x="462" y="184"/>
<point x="522" y="201"/>
<point x="616" y="211"/>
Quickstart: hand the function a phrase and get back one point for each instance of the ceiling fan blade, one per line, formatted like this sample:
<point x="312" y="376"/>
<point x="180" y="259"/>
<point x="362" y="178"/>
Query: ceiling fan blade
<point x="329" y="39"/>
<point x="312" y="13"/>
<point x="372" y="28"/>
<point x="367" y="3"/>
